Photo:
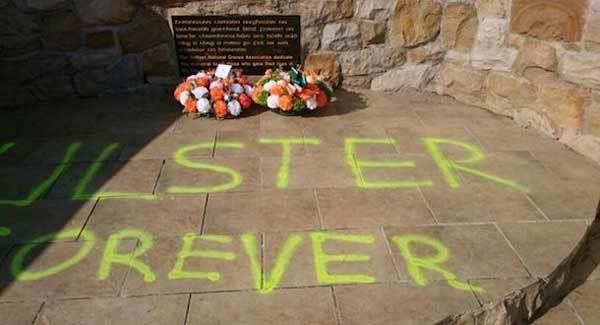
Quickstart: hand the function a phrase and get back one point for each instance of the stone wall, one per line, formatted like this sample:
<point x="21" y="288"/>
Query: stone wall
<point x="537" y="61"/>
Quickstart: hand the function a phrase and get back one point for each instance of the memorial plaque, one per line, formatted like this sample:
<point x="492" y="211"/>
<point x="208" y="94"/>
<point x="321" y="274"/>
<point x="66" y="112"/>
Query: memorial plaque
<point x="250" y="43"/>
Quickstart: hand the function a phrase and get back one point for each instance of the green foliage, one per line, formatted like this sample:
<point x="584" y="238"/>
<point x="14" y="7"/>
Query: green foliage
<point x="262" y="98"/>
<point x="299" y="104"/>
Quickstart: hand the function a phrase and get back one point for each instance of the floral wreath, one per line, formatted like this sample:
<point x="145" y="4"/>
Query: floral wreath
<point x="206" y="95"/>
<point x="292" y="92"/>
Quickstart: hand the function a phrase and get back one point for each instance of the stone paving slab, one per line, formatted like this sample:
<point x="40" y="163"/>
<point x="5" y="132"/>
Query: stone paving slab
<point x="164" y="146"/>
<point x="158" y="310"/>
<point x="542" y="246"/>
<point x="19" y="313"/>
<point x="586" y="299"/>
<point x="78" y="281"/>
<point x="202" y="180"/>
<point x="224" y="266"/>
<point x="112" y="179"/>
<point x="262" y="211"/>
<point x="469" y="252"/>
<point x="160" y="217"/>
<point x="495" y="289"/>
<point x="301" y="271"/>
<point x="340" y="210"/>
<point x="399" y="303"/>
<point x="314" y="306"/>
<point x="42" y="217"/>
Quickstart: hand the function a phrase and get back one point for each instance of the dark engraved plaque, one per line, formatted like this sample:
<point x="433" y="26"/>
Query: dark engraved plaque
<point x="250" y="43"/>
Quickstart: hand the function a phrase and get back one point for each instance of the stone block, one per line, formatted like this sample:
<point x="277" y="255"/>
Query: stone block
<point x="378" y="10"/>
<point x="536" y="54"/>
<point x="415" y="76"/>
<point x="491" y="8"/>
<point x="581" y="68"/>
<point x="432" y="52"/>
<point x="159" y="62"/>
<point x="415" y="22"/>
<point x="459" y="27"/>
<point x="327" y="64"/>
<point x="100" y="39"/>
<point x="593" y="122"/>
<point x="506" y="93"/>
<point x="62" y="31"/>
<point x="146" y="31"/>
<point x="564" y="104"/>
<point x="341" y="36"/>
<point x="554" y="20"/>
<point x="372" y="32"/>
<point x="370" y="60"/>
<point x="105" y="12"/>
<point x="461" y="82"/>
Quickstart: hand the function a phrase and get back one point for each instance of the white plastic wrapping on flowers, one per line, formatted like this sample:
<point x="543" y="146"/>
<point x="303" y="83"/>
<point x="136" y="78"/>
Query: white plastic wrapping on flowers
<point x="201" y="74"/>
<point x="199" y="92"/>
<point x="270" y="84"/>
<point x="311" y="103"/>
<point x="237" y="89"/>
<point x="203" y="105"/>
<point x="273" y="102"/>
<point x="183" y="97"/>
<point x="249" y="90"/>
<point x="234" y="108"/>
<point x="216" y="84"/>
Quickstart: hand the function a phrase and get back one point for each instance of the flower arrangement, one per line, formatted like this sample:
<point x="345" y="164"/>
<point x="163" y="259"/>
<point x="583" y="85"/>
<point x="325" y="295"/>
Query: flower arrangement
<point x="292" y="92"/>
<point x="205" y="94"/>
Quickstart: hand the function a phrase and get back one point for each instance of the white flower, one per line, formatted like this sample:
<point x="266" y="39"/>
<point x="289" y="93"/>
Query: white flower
<point x="284" y="76"/>
<point x="273" y="102"/>
<point x="312" y="103"/>
<point x="269" y="85"/>
<point x="216" y="84"/>
<point x="249" y="90"/>
<point x="234" y="108"/>
<point x="237" y="88"/>
<point x="199" y="92"/>
<point x="291" y="89"/>
<point x="183" y="97"/>
<point x="226" y="97"/>
<point x="203" y="105"/>
<point x="201" y="74"/>
<point x="192" y="77"/>
<point x="281" y="83"/>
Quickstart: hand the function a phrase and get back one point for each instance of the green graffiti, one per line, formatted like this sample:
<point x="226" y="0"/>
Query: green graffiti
<point x="286" y="155"/>
<point x="112" y="256"/>
<point x="415" y="264"/>
<point x="182" y="160"/>
<point x="18" y="261"/>
<point x="357" y="166"/>
<point x="322" y="259"/>
<point x="46" y="184"/>
<point x="187" y="251"/>
<point x="6" y="147"/>
<point x="263" y="283"/>
<point x="80" y="189"/>
<point x="4" y="232"/>
<point x="447" y="166"/>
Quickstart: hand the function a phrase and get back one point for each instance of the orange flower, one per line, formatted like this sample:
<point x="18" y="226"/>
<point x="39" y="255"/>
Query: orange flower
<point x="217" y="94"/>
<point x="179" y="90"/>
<point x="190" y="106"/>
<point x="220" y="109"/>
<point x="286" y="103"/>
<point x="312" y="87"/>
<point x="204" y="82"/>
<point x="321" y="99"/>
<point x="256" y="93"/>
<point x="227" y="82"/>
<point x="277" y="90"/>
<point x="245" y="101"/>
<point x="306" y="94"/>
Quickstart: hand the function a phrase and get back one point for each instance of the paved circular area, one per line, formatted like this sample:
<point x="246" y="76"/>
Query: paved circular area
<point x="385" y="208"/>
